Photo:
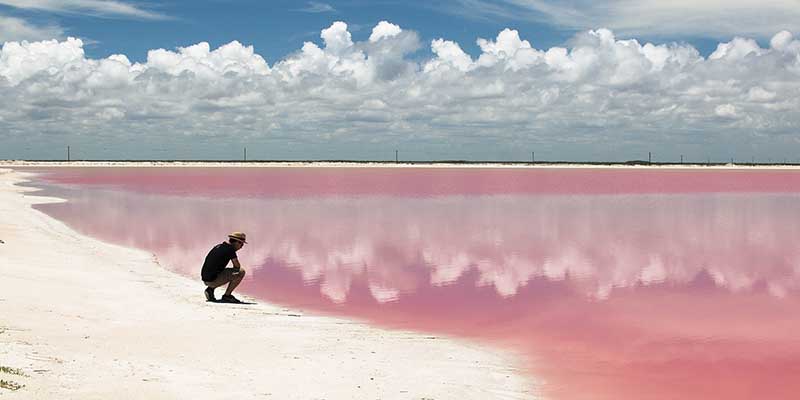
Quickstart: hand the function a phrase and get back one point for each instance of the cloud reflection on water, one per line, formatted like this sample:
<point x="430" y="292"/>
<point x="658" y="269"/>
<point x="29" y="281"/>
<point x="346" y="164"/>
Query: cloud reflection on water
<point x="398" y="244"/>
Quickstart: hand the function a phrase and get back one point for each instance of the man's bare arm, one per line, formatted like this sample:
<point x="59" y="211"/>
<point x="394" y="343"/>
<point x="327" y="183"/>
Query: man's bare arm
<point x="236" y="264"/>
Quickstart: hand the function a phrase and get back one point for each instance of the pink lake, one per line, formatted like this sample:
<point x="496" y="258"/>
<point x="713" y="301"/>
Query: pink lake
<point x="611" y="283"/>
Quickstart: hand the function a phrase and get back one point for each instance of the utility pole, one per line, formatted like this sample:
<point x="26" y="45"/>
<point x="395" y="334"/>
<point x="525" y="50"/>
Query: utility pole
<point x="533" y="156"/>
<point x="245" y="153"/>
<point x="649" y="157"/>
<point x="681" y="158"/>
<point x="68" y="158"/>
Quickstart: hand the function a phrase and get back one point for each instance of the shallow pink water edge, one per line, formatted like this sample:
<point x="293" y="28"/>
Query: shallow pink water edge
<point x="614" y="284"/>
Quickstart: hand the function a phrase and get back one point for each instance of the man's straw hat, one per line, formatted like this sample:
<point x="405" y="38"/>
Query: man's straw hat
<point x="240" y="236"/>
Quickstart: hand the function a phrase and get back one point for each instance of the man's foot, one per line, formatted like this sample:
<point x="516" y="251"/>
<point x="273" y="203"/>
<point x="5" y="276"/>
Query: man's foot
<point x="228" y="298"/>
<point x="209" y="292"/>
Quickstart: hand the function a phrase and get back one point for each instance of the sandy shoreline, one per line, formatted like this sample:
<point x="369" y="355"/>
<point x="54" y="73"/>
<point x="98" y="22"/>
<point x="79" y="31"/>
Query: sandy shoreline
<point x="387" y="164"/>
<point x="88" y="320"/>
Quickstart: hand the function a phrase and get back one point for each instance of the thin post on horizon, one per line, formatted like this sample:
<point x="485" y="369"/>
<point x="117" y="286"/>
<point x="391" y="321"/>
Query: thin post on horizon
<point x="396" y="157"/>
<point x="245" y="154"/>
<point x="649" y="157"/>
<point x="533" y="156"/>
<point x="681" y="158"/>
<point x="68" y="156"/>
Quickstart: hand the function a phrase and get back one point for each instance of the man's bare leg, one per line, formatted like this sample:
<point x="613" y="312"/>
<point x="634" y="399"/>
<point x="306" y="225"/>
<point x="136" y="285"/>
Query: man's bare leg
<point x="235" y="281"/>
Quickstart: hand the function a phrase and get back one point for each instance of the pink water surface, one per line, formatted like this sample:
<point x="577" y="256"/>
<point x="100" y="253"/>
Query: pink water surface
<point x="294" y="182"/>
<point x="613" y="284"/>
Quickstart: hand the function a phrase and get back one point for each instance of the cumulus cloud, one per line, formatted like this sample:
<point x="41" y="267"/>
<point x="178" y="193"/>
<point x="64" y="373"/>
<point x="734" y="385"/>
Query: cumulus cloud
<point x="104" y="8"/>
<point x="599" y="91"/>
<point x="448" y="55"/>
<point x="384" y="29"/>
<point x="203" y="63"/>
<point x="725" y="110"/>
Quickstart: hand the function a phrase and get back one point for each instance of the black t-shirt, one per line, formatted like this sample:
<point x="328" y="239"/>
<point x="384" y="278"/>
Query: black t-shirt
<point x="216" y="260"/>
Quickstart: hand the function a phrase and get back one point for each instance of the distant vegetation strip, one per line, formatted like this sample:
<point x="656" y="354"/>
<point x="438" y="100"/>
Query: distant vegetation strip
<point x="413" y="162"/>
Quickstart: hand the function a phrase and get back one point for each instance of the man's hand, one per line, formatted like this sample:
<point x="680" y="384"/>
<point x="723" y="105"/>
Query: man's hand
<point x="236" y="265"/>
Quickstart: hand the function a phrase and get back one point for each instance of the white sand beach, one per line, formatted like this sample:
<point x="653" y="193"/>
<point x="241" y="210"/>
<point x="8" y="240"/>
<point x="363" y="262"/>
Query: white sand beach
<point x="82" y="319"/>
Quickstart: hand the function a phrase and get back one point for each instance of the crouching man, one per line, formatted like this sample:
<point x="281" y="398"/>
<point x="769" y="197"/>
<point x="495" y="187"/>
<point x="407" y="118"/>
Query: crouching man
<point x="215" y="274"/>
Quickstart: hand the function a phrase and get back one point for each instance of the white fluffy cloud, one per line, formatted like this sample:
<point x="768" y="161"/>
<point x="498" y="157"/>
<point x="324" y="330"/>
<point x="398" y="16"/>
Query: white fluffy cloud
<point x="384" y="29"/>
<point x="600" y="91"/>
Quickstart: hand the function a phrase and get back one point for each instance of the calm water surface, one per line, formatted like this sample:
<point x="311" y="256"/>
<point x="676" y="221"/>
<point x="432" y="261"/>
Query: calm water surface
<point x="613" y="284"/>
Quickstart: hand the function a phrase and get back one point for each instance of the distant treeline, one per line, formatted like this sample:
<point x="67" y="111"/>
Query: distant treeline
<point x="413" y="162"/>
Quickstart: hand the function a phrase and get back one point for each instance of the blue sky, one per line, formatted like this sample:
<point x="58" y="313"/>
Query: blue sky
<point x="461" y="79"/>
<point x="278" y="27"/>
